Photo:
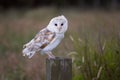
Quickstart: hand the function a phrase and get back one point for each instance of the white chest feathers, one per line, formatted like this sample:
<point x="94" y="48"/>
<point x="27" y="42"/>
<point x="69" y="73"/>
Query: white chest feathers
<point x="53" y="43"/>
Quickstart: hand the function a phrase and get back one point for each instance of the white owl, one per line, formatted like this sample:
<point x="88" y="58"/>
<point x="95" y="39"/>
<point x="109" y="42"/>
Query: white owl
<point x="48" y="38"/>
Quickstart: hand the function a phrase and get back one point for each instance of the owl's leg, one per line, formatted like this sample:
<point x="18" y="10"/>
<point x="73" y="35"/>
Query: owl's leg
<point x="50" y="55"/>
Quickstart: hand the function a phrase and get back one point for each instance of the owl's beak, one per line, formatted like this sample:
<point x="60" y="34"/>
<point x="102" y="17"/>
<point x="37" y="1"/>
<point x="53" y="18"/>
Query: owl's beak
<point x="59" y="28"/>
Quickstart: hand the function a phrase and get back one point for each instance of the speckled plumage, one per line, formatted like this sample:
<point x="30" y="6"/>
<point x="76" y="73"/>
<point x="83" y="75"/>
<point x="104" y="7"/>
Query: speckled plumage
<point x="48" y="38"/>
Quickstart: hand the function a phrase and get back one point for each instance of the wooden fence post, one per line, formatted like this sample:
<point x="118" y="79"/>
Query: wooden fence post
<point x="59" y="69"/>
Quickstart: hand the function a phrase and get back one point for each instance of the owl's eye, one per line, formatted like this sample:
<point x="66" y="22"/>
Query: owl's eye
<point x="62" y="24"/>
<point x="55" y="24"/>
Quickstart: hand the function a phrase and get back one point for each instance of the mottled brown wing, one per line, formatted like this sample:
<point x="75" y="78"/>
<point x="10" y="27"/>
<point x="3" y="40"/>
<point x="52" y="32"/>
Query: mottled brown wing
<point x="44" y="37"/>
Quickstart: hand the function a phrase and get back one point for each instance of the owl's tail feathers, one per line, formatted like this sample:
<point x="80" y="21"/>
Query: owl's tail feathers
<point x="27" y="52"/>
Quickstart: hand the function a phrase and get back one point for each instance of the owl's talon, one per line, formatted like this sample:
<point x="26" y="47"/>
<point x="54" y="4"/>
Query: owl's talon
<point x="51" y="57"/>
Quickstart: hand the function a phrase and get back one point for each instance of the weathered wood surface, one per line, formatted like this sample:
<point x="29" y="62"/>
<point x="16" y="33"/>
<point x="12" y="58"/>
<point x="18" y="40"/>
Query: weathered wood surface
<point x="59" y="69"/>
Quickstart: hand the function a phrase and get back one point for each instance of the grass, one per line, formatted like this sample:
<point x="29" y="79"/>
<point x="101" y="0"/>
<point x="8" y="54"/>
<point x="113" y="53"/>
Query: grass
<point x="92" y="41"/>
<point x="97" y="62"/>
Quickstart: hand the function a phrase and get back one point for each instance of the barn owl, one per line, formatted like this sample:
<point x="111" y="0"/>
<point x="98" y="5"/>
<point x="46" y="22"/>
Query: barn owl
<point x="48" y="38"/>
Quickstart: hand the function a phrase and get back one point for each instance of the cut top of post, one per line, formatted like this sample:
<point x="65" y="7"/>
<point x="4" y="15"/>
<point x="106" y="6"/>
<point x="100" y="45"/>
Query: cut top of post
<point x="59" y="69"/>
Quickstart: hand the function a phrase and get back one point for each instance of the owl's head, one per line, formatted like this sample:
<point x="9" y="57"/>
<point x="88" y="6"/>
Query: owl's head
<point x="58" y="24"/>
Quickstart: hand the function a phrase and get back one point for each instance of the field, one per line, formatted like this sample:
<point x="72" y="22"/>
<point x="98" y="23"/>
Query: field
<point x="92" y="41"/>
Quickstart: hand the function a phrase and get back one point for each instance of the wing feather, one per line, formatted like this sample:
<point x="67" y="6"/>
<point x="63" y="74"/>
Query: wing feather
<point x="40" y="41"/>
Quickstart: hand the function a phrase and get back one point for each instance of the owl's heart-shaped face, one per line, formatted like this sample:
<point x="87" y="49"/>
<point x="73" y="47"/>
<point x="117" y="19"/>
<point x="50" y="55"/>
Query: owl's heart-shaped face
<point x="58" y="24"/>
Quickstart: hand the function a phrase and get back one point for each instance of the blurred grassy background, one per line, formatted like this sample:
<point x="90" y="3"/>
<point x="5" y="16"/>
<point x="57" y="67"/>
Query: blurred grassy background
<point x="92" y="41"/>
